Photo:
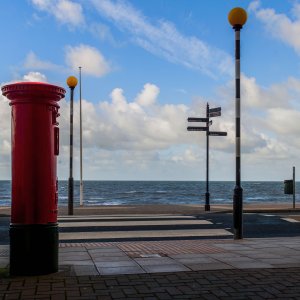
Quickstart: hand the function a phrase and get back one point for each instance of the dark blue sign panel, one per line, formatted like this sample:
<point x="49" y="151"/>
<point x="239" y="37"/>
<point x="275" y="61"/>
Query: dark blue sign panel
<point x="191" y="128"/>
<point x="197" y="119"/>
<point x="217" y="133"/>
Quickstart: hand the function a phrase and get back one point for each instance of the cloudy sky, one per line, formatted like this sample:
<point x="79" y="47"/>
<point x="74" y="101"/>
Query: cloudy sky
<point x="146" y="67"/>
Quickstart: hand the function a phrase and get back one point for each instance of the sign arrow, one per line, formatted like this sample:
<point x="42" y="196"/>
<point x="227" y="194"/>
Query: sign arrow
<point x="197" y="119"/>
<point x="215" y="114"/>
<point x="216" y="109"/>
<point x="192" y="128"/>
<point x="217" y="133"/>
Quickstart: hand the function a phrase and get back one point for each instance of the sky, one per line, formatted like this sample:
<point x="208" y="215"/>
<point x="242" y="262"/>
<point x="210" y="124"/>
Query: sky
<point x="146" y="67"/>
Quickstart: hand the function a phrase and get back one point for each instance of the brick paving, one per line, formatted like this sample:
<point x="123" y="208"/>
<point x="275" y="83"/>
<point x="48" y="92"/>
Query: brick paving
<point x="217" y="284"/>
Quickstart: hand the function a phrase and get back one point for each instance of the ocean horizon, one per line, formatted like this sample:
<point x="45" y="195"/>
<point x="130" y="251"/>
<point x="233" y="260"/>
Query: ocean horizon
<point x="123" y="192"/>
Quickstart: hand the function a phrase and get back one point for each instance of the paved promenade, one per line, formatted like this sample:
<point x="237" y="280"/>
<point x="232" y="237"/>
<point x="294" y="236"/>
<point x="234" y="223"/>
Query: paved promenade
<point x="209" y="269"/>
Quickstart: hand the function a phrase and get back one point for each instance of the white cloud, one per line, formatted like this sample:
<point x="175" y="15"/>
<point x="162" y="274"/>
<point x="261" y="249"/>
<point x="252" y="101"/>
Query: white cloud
<point x="89" y="58"/>
<point x="188" y="156"/>
<point x="125" y="139"/>
<point x="102" y="32"/>
<point x="65" y="11"/>
<point x="123" y="125"/>
<point x="35" y="77"/>
<point x="33" y="62"/>
<point x="148" y="95"/>
<point x="163" y="39"/>
<point x="280" y="25"/>
<point x="284" y="121"/>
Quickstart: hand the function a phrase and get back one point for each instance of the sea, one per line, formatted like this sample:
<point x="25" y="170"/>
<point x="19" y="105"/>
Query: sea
<point x="163" y="192"/>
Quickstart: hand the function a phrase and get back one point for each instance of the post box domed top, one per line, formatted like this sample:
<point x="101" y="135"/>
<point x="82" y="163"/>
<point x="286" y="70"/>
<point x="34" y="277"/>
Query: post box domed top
<point x="33" y="91"/>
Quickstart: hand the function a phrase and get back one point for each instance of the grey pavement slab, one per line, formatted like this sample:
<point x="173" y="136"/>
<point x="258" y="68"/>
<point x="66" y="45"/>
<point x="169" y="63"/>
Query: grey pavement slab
<point x="114" y="264"/>
<point x="77" y="262"/>
<point x="165" y="268"/>
<point x="155" y="261"/>
<point x="249" y="265"/>
<point x="195" y="260"/>
<point x="111" y="258"/>
<point x="120" y="270"/>
<point x="107" y="255"/>
<point x="84" y="256"/>
<point x="210" y="266"/>
<point x="83" y="270"/>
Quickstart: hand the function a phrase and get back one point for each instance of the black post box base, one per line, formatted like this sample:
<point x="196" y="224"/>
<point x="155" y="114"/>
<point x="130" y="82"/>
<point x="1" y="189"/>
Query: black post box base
<point x="33" y="249"/>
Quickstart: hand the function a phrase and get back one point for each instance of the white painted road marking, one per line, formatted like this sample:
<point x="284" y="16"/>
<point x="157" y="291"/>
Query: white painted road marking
<point x="290" y="220"/>
<point x="143" y="234"/>
<point x="104" y="223"/>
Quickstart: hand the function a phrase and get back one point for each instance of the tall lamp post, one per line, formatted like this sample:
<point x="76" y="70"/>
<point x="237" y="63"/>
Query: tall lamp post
<point x="71" y="82"/>
<point x="237" y="17"/>
<point x="80" y="124"/>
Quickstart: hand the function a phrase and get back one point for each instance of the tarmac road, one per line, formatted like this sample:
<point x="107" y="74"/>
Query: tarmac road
<point x="255" y="225"/>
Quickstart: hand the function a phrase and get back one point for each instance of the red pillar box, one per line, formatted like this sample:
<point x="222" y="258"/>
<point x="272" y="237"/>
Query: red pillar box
<point x="35" y="145"/>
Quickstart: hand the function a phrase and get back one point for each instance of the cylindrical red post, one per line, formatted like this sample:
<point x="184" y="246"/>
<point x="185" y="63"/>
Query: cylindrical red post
<point x="35" y="145"/>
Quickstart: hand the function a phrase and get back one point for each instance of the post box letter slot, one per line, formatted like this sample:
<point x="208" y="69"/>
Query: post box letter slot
<point x="55" y="115"/>
<point x="56" y="141"/>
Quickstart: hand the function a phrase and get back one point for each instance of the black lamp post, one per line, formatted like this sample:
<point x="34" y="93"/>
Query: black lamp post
<point x="71" y="82"/>
<point x="237" y="18"/>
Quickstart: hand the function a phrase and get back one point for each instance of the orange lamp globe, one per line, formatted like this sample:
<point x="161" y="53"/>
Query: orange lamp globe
<point x="72" y="81"/>
<point x="237" y="16"/>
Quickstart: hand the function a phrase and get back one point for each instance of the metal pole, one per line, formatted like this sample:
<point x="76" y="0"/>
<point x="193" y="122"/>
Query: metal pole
<point x="238" y="191"/>
<point x="80" y="122"/>
<point x="71" y="181"/>
<point x="294" y="188"/>
<point x="207" y="205"/>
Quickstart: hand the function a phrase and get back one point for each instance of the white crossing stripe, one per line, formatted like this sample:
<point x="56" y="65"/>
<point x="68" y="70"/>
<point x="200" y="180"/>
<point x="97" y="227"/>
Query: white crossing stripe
<point x="143" y="234"/>
<point x="133" y="223"/>
<point x="290" y="220"/>
<point x="123" y="217"/>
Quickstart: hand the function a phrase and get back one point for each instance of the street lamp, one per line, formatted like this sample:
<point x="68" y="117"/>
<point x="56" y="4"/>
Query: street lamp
<point x="71" y="82"/>
<point x="237" y="17"/>
<point x="80" y="124"/>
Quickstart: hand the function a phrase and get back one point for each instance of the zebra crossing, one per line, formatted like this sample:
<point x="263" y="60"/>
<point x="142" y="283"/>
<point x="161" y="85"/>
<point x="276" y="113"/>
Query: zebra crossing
<point x="137" y="227"/>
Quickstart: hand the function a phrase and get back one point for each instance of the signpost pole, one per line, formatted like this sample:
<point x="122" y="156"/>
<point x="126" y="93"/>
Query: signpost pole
<point x="207" y="205"/>
<point x="294" y="189"/>
<point x="213" y="112"/>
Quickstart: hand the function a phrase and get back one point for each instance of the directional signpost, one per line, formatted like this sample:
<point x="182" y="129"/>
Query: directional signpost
<point x="197" y="119"/>
<point x="210" y="113"/>
<point x="217" y="133"/>
<point x="193" y="128"/>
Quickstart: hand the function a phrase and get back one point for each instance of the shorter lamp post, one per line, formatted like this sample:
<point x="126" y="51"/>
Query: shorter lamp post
<point x="71" y="82"/>
<point x="237" y="17"/>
